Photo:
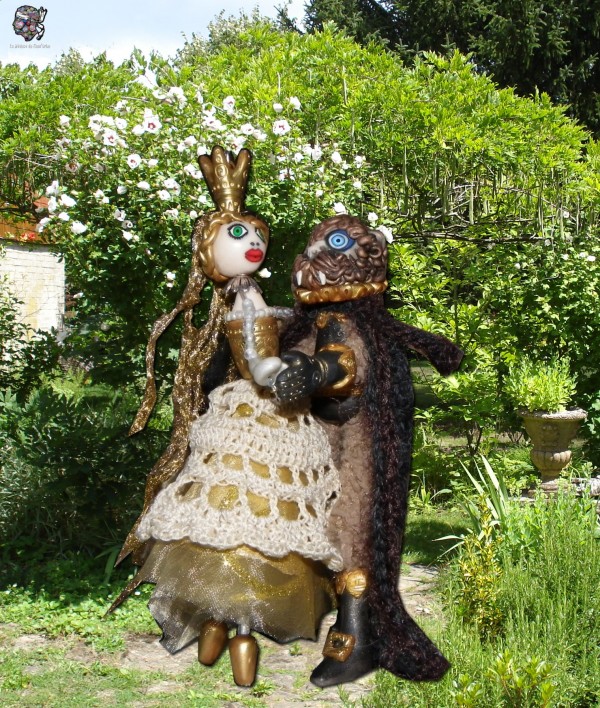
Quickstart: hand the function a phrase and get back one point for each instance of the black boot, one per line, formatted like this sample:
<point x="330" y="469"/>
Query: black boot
<point x="349" y="651"/>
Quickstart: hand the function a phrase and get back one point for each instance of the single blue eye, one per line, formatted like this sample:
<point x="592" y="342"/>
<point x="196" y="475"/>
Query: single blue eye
<point x="339" y="240"/>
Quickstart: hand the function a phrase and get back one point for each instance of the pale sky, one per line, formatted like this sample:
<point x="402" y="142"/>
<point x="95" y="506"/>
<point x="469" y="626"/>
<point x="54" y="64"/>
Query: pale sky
<point x="117" y="26"/>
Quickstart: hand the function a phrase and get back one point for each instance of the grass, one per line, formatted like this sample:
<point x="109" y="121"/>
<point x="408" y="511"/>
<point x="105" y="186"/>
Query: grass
<point x="64" y="599"/>
<point x="422" y="530"/>
<point x="546" y="593"/>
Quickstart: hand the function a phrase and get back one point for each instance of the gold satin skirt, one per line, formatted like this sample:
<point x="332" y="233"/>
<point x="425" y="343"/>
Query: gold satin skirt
<point x="284" y="598"/>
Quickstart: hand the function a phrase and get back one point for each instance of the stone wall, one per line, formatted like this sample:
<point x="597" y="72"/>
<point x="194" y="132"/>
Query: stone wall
<point x="37" y="278"/>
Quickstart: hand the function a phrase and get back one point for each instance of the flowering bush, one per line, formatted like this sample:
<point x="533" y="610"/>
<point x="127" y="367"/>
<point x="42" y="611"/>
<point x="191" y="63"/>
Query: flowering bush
<point x="486" y="196"/>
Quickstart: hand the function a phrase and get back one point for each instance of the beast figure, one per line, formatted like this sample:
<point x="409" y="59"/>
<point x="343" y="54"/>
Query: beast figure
<point x="345" y="351"/>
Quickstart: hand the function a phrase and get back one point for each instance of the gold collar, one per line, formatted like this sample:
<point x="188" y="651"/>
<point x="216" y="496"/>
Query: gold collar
<point x="338" y="293"/>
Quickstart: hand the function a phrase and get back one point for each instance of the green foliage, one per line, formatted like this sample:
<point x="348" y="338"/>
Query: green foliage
<point x="33" y="101"/>
<point x="69" y="471"/>
<point x="530" y="45"/>
<point x="471" y="405"/>
<point x="25" y="357"/>
<point x="513" y="464"/>
<point x="12" y="333"/>
<point x="478" y="578"/>
<point x="543" y="601"/>
<point x="484" y="192"/>
<point x="540" y="386"/>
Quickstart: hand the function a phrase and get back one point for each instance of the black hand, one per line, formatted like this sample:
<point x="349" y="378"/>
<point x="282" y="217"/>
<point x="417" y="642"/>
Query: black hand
<point x="303" y="376"/>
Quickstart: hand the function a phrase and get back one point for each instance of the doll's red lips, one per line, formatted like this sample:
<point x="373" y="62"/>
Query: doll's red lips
<point x="254" y="255"/>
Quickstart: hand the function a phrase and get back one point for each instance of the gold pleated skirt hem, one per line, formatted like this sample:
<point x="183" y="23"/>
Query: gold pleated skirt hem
<point x="283" y="598"/>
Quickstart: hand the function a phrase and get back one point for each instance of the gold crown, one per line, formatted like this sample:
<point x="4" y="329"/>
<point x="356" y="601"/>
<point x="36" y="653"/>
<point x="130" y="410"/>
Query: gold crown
<point x="226" y="178"/>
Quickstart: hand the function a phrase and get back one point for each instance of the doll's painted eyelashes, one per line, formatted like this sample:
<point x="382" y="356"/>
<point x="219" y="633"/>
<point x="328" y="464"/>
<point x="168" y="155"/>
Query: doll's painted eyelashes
<point x="339" y="240"/>
<point x="237" y="231"/>
<point x="261" y="235"/>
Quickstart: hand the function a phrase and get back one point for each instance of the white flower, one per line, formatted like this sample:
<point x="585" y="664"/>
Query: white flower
<point x="372" y="217"/>
<point x="518" y="266"/>
<point x="134" y="160"/>
<point x="52" y="189"/>
<point x="42" y="223"/>
<point x="78" y="228"/>
<point x="67" y="201"/>
<point x="172" y="213"/>
<point x="169" y="275"/>
<point x="565" y="256"/>
<point x="591" y="259"/>
<point x="138" y="129"/>
<point x="171" y="184"/>
<point x="193" y="214"/>
<point x="359" y="160"/>
<point x="151" y="122"/>
<point x="52" y="204"/>
<point x="99" y="194"/>
<point x="260" y="135"/>
<point x="339" y="208"/>
<point x="281" y="127"/>
<point x="583" y="254"/>
<point x="121" y="189"/>
<point x="177" y="92"/>
<point x="152" y="162"/>
<point x="64" y="120"/>
<point x="121" y="105"/>
<point x="199" y="97"/>
<point x="318" y="192"/>
<point x="147" y="79"/>
<point x="109" y="137"/>
<point x="298" y="157"/>
<point x="357" y="184"/>
<point x="264" y="273"/>
<point x="120" y="123"/>
<point x="128" y="224"/>
<point x="316" y="153"/>
<point x="77" y="296"/>
<point x="229" y="104"/>
<point x="182" y="147"/>
<point x="287" y="173"/>
<point x="119" y="214"/>
<point x="190" y="141"/>
<point x="143" y="185"/>
<point x="238" y="143"/>
<point x="295" y="103"/>
<point x="164" y="195"/>
<point x="202" y="150"/>
<point x="127" y="235"/>
<point x="389" y="236"/>
<point x="63" y="216"/>
<point x="277" y="107"/>
<point x="336" y="158"/>
<point x="209" y="121"/>
<point x="192" y="171"/>
<point x="247" y="129"/>
<point x="135" y="238"/>
<point x="203" y="199"/>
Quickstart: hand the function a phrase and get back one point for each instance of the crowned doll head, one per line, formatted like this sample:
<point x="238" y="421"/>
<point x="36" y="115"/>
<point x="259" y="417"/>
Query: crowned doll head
<point x="232" y="241"/>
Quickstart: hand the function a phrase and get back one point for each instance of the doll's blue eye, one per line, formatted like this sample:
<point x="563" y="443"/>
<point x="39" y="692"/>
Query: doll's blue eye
<point x="339" y="240"/>
<point x="237" y="230"/>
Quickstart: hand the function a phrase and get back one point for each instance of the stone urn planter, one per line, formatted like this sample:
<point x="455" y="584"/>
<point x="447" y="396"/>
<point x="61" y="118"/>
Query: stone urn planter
<point x="551" y="435"/>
